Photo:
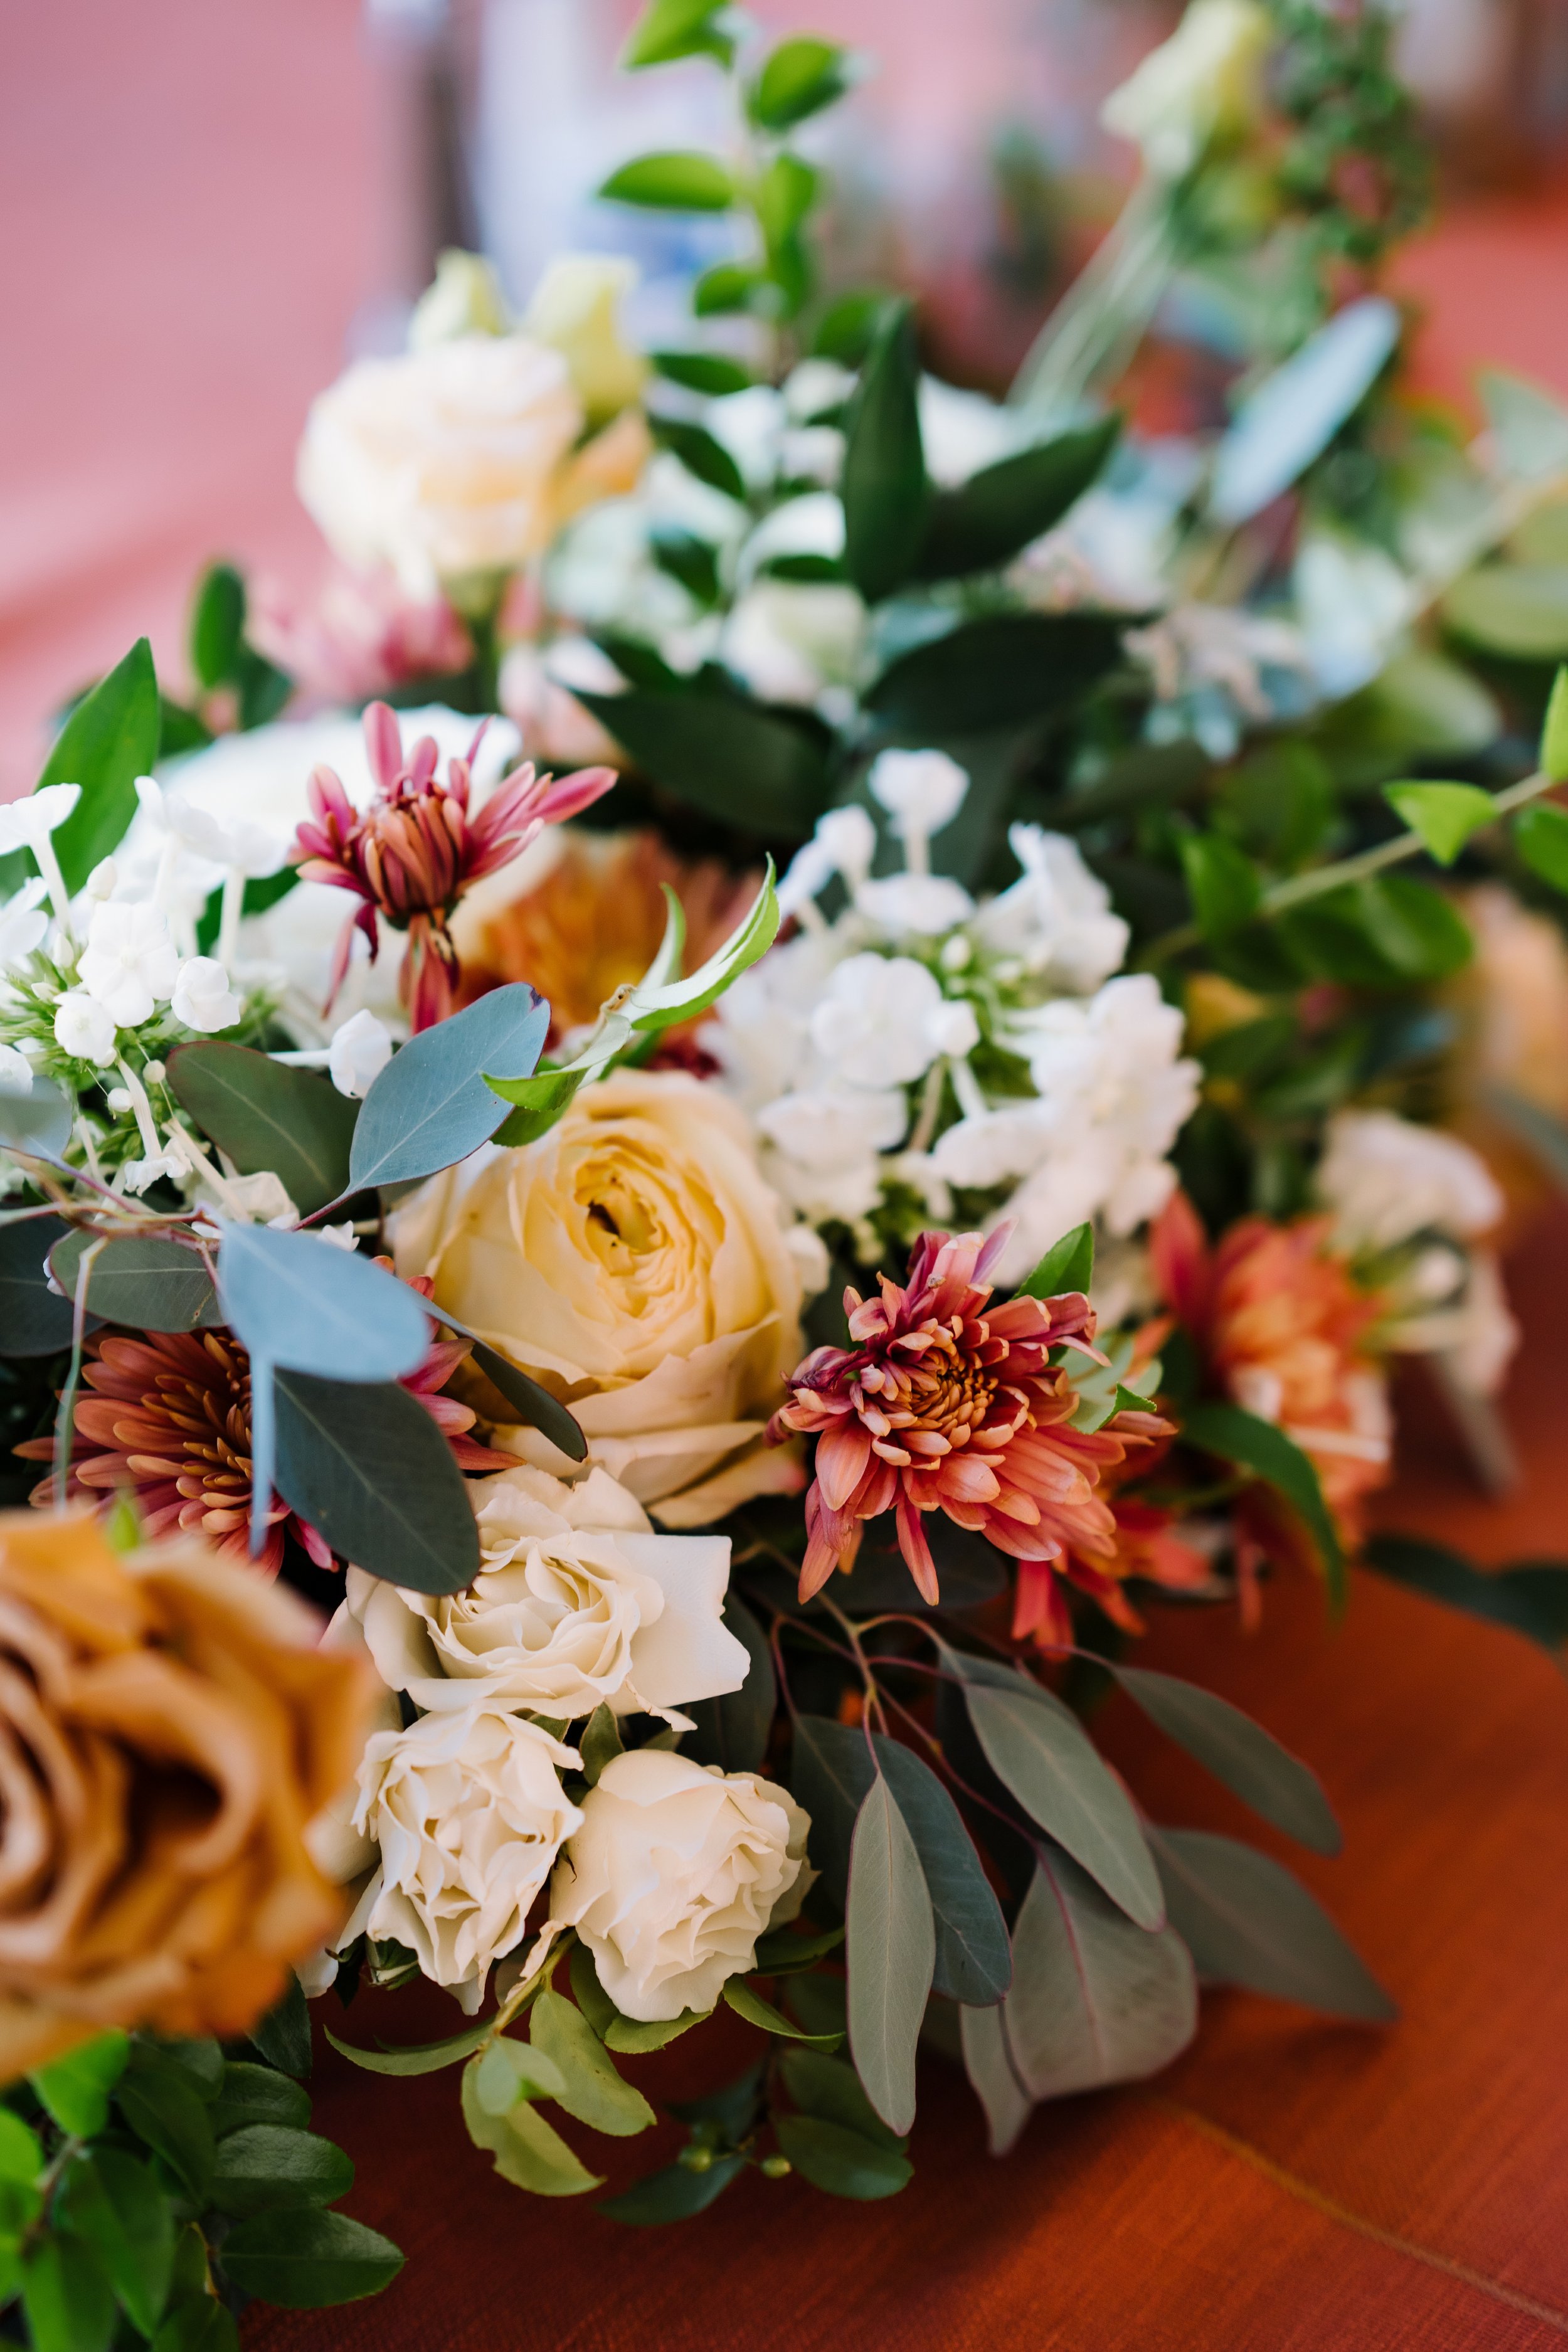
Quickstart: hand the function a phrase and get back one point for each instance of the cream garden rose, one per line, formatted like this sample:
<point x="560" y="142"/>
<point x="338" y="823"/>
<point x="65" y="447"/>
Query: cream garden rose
<point x="676" y="1870"/>
<point x="578" y="1604"/>
<point x="634" y="1259"/>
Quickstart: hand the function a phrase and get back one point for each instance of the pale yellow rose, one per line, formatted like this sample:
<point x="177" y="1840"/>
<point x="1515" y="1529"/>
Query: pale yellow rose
<point x="634" y="1260"/>
<point x="576" y="309"/>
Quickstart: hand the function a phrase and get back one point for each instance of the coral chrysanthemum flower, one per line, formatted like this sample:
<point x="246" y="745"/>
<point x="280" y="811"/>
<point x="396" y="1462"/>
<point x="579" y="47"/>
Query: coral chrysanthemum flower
<point x="947" y="1403"/>
<point x="412" y="852"/>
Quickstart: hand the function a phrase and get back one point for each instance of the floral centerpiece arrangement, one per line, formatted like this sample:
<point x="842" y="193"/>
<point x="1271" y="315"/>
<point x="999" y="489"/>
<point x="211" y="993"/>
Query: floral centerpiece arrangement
<point x="827" y="1112"/>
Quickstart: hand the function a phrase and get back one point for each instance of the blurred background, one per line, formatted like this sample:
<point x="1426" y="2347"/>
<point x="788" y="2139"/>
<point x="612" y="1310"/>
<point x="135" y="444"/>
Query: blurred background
<point x="209" y="209"/>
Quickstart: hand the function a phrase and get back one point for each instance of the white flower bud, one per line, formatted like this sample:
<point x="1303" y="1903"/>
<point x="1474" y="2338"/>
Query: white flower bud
<point x="100" y="882"/>
<point x="921" y="791"/>
<point x="361" y="1050"/>
<point x="203" y="998"/>
<point x="83" y="1028"/>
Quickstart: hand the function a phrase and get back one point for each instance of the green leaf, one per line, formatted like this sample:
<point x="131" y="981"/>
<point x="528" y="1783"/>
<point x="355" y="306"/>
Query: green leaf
<point x="265" y="2167"/>
<point x="732" y="1730"/>
<point x="109" y="740"/>
<point x="528" y="2152"/>
<point x="988" y="519"/>
<point x="307" y="2261"/>
<point x="264" y="1115"/>
<point x="260" y="892"/>
<point x="1223" y="883"/>
<point x="1519" y="610"/>
<point x="591" y="2089"/>
<point x="21" y="2158"/>
<point x="1444" y="816"/>
<point x="673" y="2195"/>
<point x="159" y="2101"/>
<point x="844" y="2163"/>
<point x="1531" y="1597"/>
<point x="510" y="2071"/>
<point x="1039" y="1750"/>
<point x="830" y="2089"/>
<point x="674" y="29"/>
<point x="419" y="2058"/>
<point x="365" y="1464"/>
<point x="600" y="1744"/>
<point x="1095" y="2000"/>
<point x="800" y="78"/>
<point x="533" y="1405"/>
<point x="145" y="1281"/>
<point x="752" y="767"/>
<point x="1257" y="1445"/>
<point x="676" y="182"/>
<point x="202" y="2324"/>
<point x="218" y="624"/>
<point x="728" y="286"/>
<point x="283" y="2035"/>
<point x="992" y="2074"/>
<point x="201" y="2055"/>
<point x="432" y="1105"/>
<point x="973" y="1963"/>
<point x="1067" y="1267"/>
<point x="884" y="486"/>
<point x="704" y="457"/>
<point x="1541" y="837"/>
<point x="1248" y="1760"/>
<point x="634" y="2038"/>
<point x="706" y="371"/>
<point x="1006" y="669"/>
<point x="740" y="1997"/>
<point x="74" y="2089"/>
<point x="33" y="1320"/>
<point x="1529" y="424"/>
<point x="259" y="2094"/>
<point x="1246" y="1921"/>
<point x="629" y="2035"/>
<point x="782" y="1952"/>
<point x="1289" y="418"/>
<point x="113" y="2204"/>
<point x="890" y="1948"/>
<point x="1555" y="731"/>
<point x="589" y="1994"/>
<point x="69" y="2303"/>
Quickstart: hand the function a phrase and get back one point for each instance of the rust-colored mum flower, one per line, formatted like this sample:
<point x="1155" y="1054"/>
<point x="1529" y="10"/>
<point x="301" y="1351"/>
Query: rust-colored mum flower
<point x="419" y="845"/>
<point x="169" y="1729"/>
<point x="169" y="1418"/>
<point x="947" y="1403"/>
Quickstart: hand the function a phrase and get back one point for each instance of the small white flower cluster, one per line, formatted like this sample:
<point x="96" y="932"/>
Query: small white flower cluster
<point x="923" y="1044"/>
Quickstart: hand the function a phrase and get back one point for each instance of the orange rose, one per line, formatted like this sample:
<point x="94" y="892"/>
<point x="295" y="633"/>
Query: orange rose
<point x="168" y="1729"/>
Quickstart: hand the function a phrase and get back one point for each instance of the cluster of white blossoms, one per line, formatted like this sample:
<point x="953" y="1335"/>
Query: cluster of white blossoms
<point x="669" y="1870"/>
<point x="923" y="1057"/>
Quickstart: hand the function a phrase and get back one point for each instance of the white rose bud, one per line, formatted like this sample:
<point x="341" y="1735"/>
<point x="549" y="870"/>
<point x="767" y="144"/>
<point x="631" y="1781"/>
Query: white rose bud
<point x="203" y="998"/>
<point x="676" y="1871"/>
<point x="361" y="1050"/>
<point x="83" y="1028"/>
<point x="470" y="1814"/>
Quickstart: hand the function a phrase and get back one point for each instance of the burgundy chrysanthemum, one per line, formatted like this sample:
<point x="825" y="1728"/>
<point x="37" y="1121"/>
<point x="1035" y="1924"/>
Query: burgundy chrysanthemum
<point x="947" y="1403"/>
<point x="412" y="852"/>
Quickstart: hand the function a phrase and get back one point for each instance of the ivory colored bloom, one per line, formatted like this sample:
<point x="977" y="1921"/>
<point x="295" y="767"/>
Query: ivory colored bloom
<point x="130" y="963"/>
<point x="360" y="1051"/>
<point x="578" y="1604"/>
<point x="921" y="791"/>
<point x="675" y="1872"/>
<point x="23" y="923"/>
<point x="575" y="309"/>
<point x="1056" y="919"/>
<point x="203" y="998"/>
<point x="83" y="1028"/>
<point x="1386" y="1179"/>
<point x="168" y="1732"/>
<point x="468" y="1814"/>
<point x="634" y="1259"/>
<point x="28" y="822"/>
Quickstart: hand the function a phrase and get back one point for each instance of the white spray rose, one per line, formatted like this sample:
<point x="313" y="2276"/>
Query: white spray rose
<point x="83" y="1028"/>
<point x="203" y="998"/>
<point x="676" y="1871"/>
<point x="575" y="309"/>
<point x="361" y="1050"/>
<point x="469" y="1812"/>
<point x="130" y="962"/>
<point x="578" y="1604"/>
<point x="1387" y="1179"/>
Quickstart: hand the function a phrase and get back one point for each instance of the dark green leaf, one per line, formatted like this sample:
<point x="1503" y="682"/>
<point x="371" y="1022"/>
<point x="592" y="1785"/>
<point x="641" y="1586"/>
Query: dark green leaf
<point x="1531" y="1597"/>
<point x="21" y="2157"/>
<point x="732" y="1729"/>
<point x="830" y="1774"/>
<point x="631" y="2037"/>
<point x="750" y="767"/>
<point x="430" y="1107"/>
<point x="264" y="1115"/>
<point x="589" y="1994"/>
<point x="740" y="1997"/>
<point x="74" y="2089"/>
<point x="884" y="485"/>
<point x="259" y="2094"/>
<point x="800" y="78"/>
<point x="150" y="1283"/>
<point x="672" y="2195"/>
<point x="675" y="181"/>
<point x="283" y="2036"/>
<point x="420" y="2058"/>
<point x="1223" y="883"/>
<point x="732" y="2107"/>
<point x="1248" y="1760"/>
<point x="533" y="1405"/>
<point x="110" y="738"/>
<point x="1541" y="836"/>
<point x="593" y="2092"/>
<point x="1257" y="1445"/>
<point x="701" y="454"/>
<point x="163" y="2106"/>
<point x="68" y="2302"/>
<point x="365" y="1464"/>
<point x="707" y="371"/>
<point x="844" y="2163"/>
<point x="201" y="2055"/>
<point x="1002" y="670"/>
<point x="200" y="2325"/>
<point x="1444" y="816"/>
<point x="1067" y="1267"/>
<point x="1094" y="2000"/>
<point x="820" y="2002"/>
<point x="113" y="2203"/>
<point x="845" y="329"/>
<point x="306" y="2261"/>
<point x="986" y="519"/>
<point x="34" y="1320"/>
<point x="890" y="1948"/>
<point x="829" y="2088"/>
<point x="781" y="1951"/>
<point x="264" y="2168"/>
<point x="600" y="1744"/>
<point x="973" y="1962"/>
<point x="218" y="624"/>
<point x="1246" y="1921"/>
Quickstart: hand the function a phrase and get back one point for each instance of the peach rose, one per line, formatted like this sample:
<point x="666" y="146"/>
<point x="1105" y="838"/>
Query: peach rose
<point x="634" y="1260"/>
<point x="168" y="1731"/>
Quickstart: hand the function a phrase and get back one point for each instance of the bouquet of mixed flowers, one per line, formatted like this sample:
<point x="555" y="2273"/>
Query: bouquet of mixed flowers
<point x="732" y="1294"/>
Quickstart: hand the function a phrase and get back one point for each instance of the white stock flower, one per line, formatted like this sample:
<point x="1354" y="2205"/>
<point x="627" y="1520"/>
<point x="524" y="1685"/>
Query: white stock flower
<point x="915" y="906"/>
<point x="921" y="791"/>
<point x="253" y="850"/>
<point x="578" y="1604"/>
<point x="676" y="1871"/>
<point x="28" y="822"/>
<point x="130" y="963"/>
<point x="23" y="923"/>
<point x="1386" y="1179"/>
<point x="361" y="1050"/>
<point x="470" y="1814"/>
<point x="1057" y="918"/>
<point x="15" y="1072"/>
<point x="83" y="1028"/>
<point x="202" y="997"/>
<point x="825" y="1144"/>
<point x="993" y="1147"/>
<point x="884" y="1020"/>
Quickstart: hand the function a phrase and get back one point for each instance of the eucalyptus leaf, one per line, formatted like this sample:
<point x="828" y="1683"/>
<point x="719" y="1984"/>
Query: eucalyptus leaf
<point x="533" y="1405"/>
<point x="430" y="1107"/>
<point x="883" y="486"/>
<point x="1095" y="2000"/>
<point x="1239" y="1751"/>
<point x="528" y="2151"/>
<point x="890" y="1948"/>
<point x="1290" y="418"/>
<point x="149" y="1282"/>
<point x="1246" y="1921"/>
<point x="299" y="1301"/>
<point x="266" y="1115"/>
<point x="365" y="1464"/>
<point x="1258" y="1446"/>
<point x="994" y="2077"/>
<point x="308" y="2260"/>
<point x="39" y="1122"/>
<point x="34" y="1319"/>
<point x="1519" y="610"/>
<point x="973" y="1962"/>
<point x="1528" y="426"/>
<point x="759" y="769"/>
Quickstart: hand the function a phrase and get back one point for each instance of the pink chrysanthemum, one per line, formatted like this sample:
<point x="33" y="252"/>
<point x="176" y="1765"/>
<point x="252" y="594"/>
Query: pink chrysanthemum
<point x="947" y="1403"/>
<point x="412" y="852"/>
